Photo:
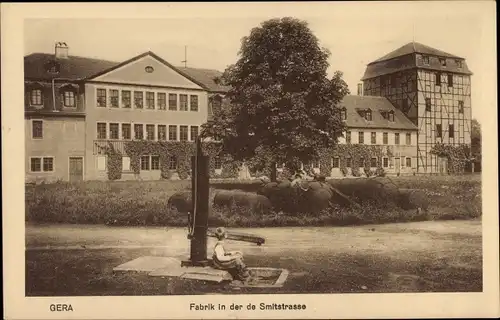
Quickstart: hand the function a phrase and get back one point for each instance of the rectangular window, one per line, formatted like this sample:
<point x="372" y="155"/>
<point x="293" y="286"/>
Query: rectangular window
<point x="315" y="164"/>
<point x="459" y="63"/>
<point x="114" y="131"/>
<point x="217" y="163"/>
<point x="150" y="131"/>
<point x="425" y="60"/>
<point x="373" y="162"/>
<point x="373" y="138"/>
<point x="361" y="162"/>
<point x="36" y="97"/>
<point x="37" y="129"/>
<point x="450" y="80"/>
<point x="460" y="106"/>
<point x="386" y="162"/>
<point x="150" y="100"/>
<point x="172" y="133"/>
<point x="101" y="130"/>
<point x="42" y="164"/>
<point x="428" y="104"/>
<point x="396" y="138"/>
<point x="162" y="101"/>
<point x="183" y="133"/>
<point x="335" y="162"/>
<point x="183" y="102"/>
<point x="438" y="79"/>
<point x="138" y="99"/>
<point x="361" y="137"/>
<point x="114" y="98"/>
<point x="162" y="132"/>
<point x="126" y="99"/>
<point x="138" y="132"/>
<point x="145" y="163"/>
<point x="443" y="62"/>
<point x="155" y="162"/>
<point x="48" y="164"/>
<point x="385" y="138"/>
<point x="101" y="98"/>
<point x="348" y="137"/>
<point x="194" y="133"/>
<point x="126" y="131"/>
<point x="348" y="162"/>
<point x="408" y="138"/>
<point x="368" y="115"/>
<point x="391" y="116"/>
<point x="408" y="162"/>
<point x="36" y="165"/>
<point x="193" y="103"/>
<point x="172" y="163"/>
<point x="439" y="131"/>
<point x="451" y="131"/>
<point x="69" y="99"/>
<point x="172" y="102"/>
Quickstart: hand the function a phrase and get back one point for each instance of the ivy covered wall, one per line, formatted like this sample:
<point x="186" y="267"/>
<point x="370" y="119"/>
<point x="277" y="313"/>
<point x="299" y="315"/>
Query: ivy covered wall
<point x="182" y="151"/>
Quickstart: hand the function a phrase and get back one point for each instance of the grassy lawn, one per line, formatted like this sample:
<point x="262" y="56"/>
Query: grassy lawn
<point x="144" y="203"/>
<point x="433" y="256"/>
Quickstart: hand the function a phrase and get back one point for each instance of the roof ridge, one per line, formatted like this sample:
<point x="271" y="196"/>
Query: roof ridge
<point x="71" y="56"/>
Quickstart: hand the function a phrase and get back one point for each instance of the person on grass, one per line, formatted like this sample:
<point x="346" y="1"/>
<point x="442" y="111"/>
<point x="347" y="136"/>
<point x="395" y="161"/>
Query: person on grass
<point x="231" y="261"/>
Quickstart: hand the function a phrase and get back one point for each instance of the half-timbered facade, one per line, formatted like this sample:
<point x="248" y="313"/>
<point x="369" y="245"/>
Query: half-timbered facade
<point x="433" y="89"/>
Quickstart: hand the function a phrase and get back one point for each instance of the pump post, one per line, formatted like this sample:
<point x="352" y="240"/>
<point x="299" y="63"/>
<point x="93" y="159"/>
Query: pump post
<point x="200" y="187"/>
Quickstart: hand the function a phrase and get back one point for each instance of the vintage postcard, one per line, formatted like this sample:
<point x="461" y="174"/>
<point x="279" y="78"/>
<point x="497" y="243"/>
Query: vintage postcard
<point x="250" y="160"/>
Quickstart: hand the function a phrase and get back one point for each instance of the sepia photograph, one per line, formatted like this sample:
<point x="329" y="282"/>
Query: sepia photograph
<point x="271" y="151"/>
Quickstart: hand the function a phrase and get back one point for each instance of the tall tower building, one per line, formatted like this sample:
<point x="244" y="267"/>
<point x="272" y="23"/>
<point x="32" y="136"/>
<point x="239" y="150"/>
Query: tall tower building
<point x="433" y="89"/>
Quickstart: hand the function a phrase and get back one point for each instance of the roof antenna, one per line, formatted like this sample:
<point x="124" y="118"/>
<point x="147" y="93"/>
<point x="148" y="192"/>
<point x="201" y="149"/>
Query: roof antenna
<point x="413" y="35"/>
<point x="185" y="57"/>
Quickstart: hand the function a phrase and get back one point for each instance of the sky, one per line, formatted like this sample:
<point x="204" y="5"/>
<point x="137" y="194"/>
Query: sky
<point x="354" y="33"/>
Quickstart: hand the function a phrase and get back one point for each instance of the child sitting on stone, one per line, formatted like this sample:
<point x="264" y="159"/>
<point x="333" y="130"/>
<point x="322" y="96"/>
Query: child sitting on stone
<point x="231" y="261"/>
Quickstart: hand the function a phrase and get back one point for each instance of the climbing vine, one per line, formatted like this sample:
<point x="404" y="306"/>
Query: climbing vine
<point x="360" y="157"/>
<point x="457" y="156"/>
<point x="114" y="162"/>
<point x="182" y="151"/>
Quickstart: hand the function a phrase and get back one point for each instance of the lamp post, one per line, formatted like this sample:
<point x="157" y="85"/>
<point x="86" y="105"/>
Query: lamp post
<point x="200" y="186"/>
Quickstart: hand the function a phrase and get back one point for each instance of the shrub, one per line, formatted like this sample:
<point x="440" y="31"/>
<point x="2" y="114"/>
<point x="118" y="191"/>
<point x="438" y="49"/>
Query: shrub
<point x="136" y="203"/>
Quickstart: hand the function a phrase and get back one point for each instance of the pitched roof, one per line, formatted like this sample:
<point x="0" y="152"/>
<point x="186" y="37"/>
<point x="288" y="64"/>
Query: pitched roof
<point x="377" y="105"/>
<point x="74" y="68"/>
<point x="404" y="58"/>
<point x="206" y="77"/>
<point x="82" y="68"/>
<point x="415" y="47"/>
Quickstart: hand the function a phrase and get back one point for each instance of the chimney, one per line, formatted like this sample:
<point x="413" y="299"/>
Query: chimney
<point x="61" y="51"/>
<point x="360" y="89"/>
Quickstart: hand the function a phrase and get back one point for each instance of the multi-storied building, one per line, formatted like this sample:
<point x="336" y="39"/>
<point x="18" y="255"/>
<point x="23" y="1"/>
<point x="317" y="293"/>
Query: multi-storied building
<point x="433" y="89"/>
<point x="76" y="106"/>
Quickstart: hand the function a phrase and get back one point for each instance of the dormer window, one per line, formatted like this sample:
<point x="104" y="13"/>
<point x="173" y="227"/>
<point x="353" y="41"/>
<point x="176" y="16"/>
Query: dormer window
<point x="69" y="99"/>
<point x="343" y="114"/>
<point x="391" y="116"/>
<point x="443" y="62"/>
<point x="368" y="115"/>
<point x="425" y="60"/>
<point x="52" y="67"/>
<point x="68" y="95"/>
<point x="36" y="98"/>
<point x="459" y="63"/>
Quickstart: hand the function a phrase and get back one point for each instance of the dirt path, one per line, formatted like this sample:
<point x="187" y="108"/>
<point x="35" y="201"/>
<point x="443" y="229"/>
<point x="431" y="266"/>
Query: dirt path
<point x="423" y="256"/>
